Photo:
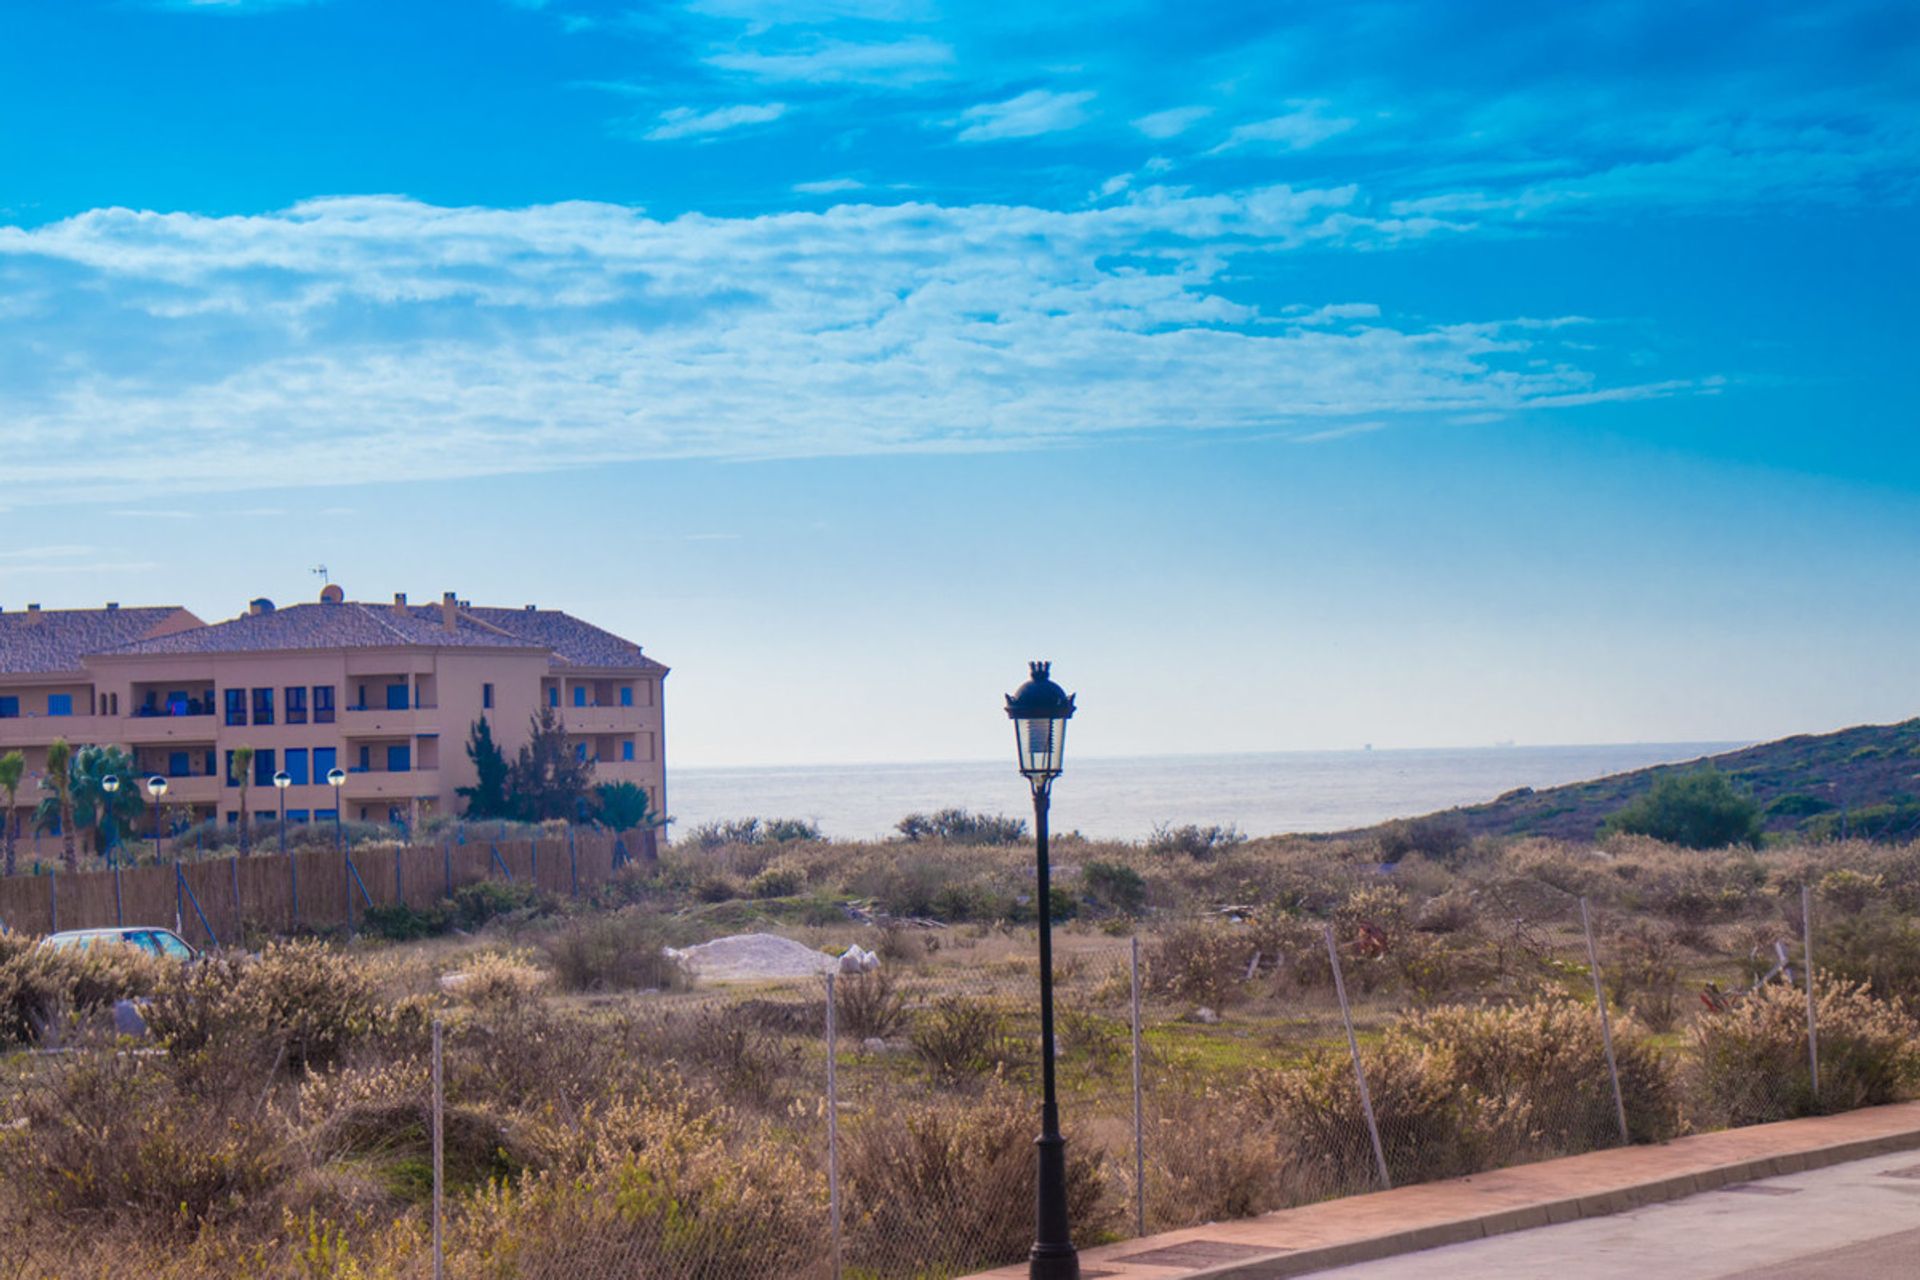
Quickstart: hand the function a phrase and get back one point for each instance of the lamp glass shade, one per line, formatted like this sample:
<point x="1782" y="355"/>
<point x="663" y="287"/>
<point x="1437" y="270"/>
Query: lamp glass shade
<point x="335" y="777"/>
<point x="157" y="785"/>
<point x="1040" y="710"/>
<point x="110" y="784"/>
<point x="283" y="779"/>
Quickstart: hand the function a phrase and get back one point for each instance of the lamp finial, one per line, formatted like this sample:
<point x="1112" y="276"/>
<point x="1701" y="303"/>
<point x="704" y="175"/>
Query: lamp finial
<point x="1040" y="669"/>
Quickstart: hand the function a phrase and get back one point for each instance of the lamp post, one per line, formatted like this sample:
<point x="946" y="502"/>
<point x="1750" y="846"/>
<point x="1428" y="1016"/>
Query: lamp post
<point x="281" y="781"/>
<point x="336" y="778"/>
<point x="157" y="788"/>
<point x="109" y="784"/>
<point x="1040" y="710"/>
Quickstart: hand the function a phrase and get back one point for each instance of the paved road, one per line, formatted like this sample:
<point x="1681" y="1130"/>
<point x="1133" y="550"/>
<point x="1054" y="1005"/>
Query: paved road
<point x="1858" y="1221"/>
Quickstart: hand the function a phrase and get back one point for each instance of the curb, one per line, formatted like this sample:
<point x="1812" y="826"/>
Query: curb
<point x="1298" y="1262"/>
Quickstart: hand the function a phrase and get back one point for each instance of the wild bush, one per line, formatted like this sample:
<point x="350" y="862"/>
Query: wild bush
<point x="1643" y="972"/>
<point x="1193" y="841"/>
<point x="944" y="1186"/>
<point x="1210" y="1160"/>
<point x="1441" y="838"/>
<point x="621" y="951"/>
<point x="1538" y="1072"/>
<point x="868" y="1005"/>
<point x="777" y="880"/>
<point x="309" y="1000"/>
<point x="502" y="979"/>
<point x="1701" y="809"/>
<point x="960" y="1036"/>
<point x="473" y="905"/>
<point x="40" y="986"/>
<point x="1748" y="1063"/>
<point x="1876" y="945"/>
<point x="1116" y="886"/>
<point x="959" y="826"/>
<point x="1204" y="963"/>
<point x="721" y="833"/>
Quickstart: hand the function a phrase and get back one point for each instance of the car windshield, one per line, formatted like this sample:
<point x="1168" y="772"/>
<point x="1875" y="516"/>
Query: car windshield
<point x="170" y="946"/>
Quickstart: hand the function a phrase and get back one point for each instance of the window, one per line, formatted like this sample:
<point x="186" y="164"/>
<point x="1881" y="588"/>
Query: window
<point x="297" y="815"/>
<point x="366" y="759"/>
<point x="553" y="696"/>
<point x="580" y="752"/>
<point x="399" y="758"/>
<point x="626" y="695"/>
<point x="325" y="762"/>
<point x="579" y="695"/>
<point x="397" y="697"/>
<point x="59" y="704"/>
<point x="323" y="704"/>
<point x="231" y="781"/>
<point x="486" y="696"/>
<point x="209" y="764"/>
<point x="263" y="706"/>
<point x="236" y="706"/>
<point x="263" y="769"/>
<point x="296" y="704"/>
<point x="177" y="766"/>
<point x="297" y="763"/>
<point x="9" y="708"/>
<point x="325" y="815"/>
<point x="626" y="748"/>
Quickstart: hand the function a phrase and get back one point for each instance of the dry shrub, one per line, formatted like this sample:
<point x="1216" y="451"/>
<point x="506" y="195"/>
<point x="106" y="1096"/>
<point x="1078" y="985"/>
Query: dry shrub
<point x="310" y="1001"/>
<point x="960" y="1036"/>
<point x="1202" y="963"/>
<point x="944" y="1187"/>
<point x="1749" y="1064"/>
<point x="1425" y="1128"/>
<point x="1876" y="945"/>
<point x="498" y="979"/>
<point x="1208" y="1160"/>
<point x="868" y="1005"/>
<point x="1643" y="973"/>
<point x="39" y="985"/>
<point x="659" y="1190"/>
<point x="1538" y="1072"/>
<point x="625" y="951"/>
<point x="109" y="1137"/>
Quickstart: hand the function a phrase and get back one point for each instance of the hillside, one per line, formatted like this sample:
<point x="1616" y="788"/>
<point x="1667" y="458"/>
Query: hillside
<point x="1862" y="782"/>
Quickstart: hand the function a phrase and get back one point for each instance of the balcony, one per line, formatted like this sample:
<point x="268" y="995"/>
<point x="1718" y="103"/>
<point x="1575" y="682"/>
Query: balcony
<point x="196" y="789"/>
<point x="391" y="785"/>
<point x="38" y="731"/>
<point x="138" y="730"/>
<point x="601" y="719"/>
<point x="379" y="722"/>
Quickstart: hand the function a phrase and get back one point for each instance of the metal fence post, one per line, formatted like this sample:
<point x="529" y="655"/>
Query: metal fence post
<point x="119" y="917"/>
<point x="1139" y="1108"/>
<point x="1813" y="1030"/>
<point x="53" y="899"/>
<point x="439" y="1154"/>
<point x="833" y="1124"/>
<point x="1606" y="1025"/>
<point x="1359" y="1072"/>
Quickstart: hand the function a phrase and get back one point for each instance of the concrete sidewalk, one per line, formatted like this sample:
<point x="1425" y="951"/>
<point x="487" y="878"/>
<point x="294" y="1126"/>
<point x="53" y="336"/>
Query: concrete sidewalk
<point x="1337" y="1233"/>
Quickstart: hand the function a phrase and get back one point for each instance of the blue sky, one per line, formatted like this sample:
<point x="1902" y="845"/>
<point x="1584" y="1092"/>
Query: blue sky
<point x="1294" y="376"/>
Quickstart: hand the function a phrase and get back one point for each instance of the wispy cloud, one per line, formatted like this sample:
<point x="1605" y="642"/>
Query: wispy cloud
<point x="1172" y="122"/>
<point x="391" y="337"/>
<point x="916" y="60"/>
<point x="828" y="186"/>
<point x="1305" y="125"/>
<point x="1029" y="115"/>
<point x="686" y="122"/>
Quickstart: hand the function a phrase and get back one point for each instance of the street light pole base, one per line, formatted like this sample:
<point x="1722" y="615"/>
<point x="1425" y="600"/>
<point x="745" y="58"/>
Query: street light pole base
<point x="1053" y="1262"/>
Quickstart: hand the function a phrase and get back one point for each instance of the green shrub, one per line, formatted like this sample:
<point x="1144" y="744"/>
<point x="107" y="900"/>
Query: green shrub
<point x="1701" y="809"/>
<point x="960" y="1036"/>
<point x="402" y="923"/>
<point x="961" y="827"/>
<point x="473" y="905"/>
<point x="1440" y="838"/>
<point x="1896" y="820"/>
<point x="1748" y="1064"/>
<point x="1199" y="843"/>
<point x="622" y="951"/>
<point x="719" y="834"/>
<point x="1115" y="885"/>
<point x="868" y="1005"/>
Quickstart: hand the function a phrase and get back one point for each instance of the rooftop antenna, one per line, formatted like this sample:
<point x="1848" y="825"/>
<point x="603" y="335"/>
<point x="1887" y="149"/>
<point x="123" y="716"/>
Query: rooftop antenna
<point x="322" y="571"/>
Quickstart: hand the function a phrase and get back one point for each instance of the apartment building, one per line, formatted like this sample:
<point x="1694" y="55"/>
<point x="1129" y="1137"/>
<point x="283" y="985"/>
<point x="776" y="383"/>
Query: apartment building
<point x="385" y="692"/>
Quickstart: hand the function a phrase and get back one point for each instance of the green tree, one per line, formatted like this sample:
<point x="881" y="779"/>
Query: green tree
<point x="549" y="778"/>
<point x="487" y="797"/>
<point x="60" y="783"/>
<point x="13" y="767"/>
<point x="93" y="807"/>
<point x="240" y="770"/>
<point x="1701" y="809"/>
<point x="622" y="805"/>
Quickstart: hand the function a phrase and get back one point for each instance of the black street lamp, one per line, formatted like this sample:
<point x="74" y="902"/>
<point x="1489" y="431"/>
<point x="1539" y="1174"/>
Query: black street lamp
<point x="337" y="777"/>
<point x="111" y="785"/>
<point x="156" y="787"/>
<point x="281" y="781"/>
<point x="1040" y="711"/>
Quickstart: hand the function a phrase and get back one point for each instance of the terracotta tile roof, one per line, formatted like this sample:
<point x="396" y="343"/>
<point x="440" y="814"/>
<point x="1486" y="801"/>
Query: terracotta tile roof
<point x="53" y="640"/>
<point x="348" y="625"/>
<point x="574" y="643"/>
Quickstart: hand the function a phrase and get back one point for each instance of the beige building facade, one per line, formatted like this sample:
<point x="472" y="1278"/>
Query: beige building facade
<point x="385" y="692"/>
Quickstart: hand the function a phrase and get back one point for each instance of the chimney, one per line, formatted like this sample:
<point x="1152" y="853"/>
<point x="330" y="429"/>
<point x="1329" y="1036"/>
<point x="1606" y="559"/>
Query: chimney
<point x="400" y="602"/>
<point x="33" y="613"/>
<point x="254" y="607"/>
<point x="112" y="605"/>
<point x="449" y="611"/>
<point x="532" y="607"/>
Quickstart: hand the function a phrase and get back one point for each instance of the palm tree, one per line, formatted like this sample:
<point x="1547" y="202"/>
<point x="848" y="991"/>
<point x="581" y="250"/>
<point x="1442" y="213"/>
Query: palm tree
<point x="242" y="771"/>
<point x="60" y="782"/>
<point x="13" y="766"/>
<point x="107" y="813"/>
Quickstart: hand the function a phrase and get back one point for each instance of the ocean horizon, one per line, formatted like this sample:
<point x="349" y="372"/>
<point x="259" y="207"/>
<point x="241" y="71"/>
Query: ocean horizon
<point x="1124" y="798"/>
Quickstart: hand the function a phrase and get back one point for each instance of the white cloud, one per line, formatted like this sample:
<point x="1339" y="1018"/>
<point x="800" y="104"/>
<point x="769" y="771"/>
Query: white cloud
<point x="916" y="60"/>
<point x="1034" y="112"/>
<point x="1304" y="125"/>
<point x="685" y="122"/>
<point x="828" y="186"/>
<point x="1172" y="122"/>
<point x="378" y="336"/>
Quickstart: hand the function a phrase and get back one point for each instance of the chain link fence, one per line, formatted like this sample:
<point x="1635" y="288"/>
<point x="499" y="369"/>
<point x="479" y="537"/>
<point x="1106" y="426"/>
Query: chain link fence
<point x="879" y="1124"/>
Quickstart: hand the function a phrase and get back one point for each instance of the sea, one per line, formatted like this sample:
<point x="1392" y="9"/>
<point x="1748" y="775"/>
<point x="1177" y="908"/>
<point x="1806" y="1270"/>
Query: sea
<point x="1125" y="798"/>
